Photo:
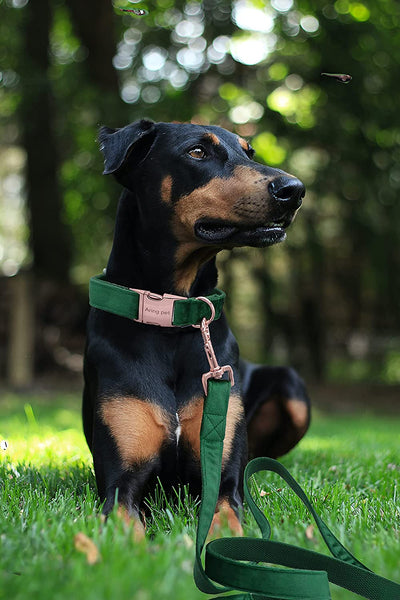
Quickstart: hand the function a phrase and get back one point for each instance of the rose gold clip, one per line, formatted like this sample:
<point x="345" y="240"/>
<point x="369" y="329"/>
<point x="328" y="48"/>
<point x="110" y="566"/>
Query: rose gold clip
<point x="155" y="309"/>
<point x="216" y="372"/>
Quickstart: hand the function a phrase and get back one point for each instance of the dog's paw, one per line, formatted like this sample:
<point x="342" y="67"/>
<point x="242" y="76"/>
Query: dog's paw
<point x="225" y="518"/>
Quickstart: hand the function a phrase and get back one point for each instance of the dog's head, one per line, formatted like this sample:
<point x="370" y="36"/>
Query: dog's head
<point x="205" y="179"/>
<point x="218" y="195"/>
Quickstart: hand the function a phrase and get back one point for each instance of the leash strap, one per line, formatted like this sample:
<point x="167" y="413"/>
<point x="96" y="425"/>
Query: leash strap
<point x="233" y="562"/>
<point x="125" y="302"/>
<point x="212" y="436"/>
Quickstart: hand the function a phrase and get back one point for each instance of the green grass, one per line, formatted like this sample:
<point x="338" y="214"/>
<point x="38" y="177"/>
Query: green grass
<point x="349" y="466"/>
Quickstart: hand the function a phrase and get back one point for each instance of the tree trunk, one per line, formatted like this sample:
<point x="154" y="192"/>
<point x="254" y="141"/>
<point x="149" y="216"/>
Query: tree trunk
<point x="22" y="332"/>
<point x="268" y="318"/>
<point x="310" y="275"/>
<point x="93" y="21"/>
<point x="50" y="238"/>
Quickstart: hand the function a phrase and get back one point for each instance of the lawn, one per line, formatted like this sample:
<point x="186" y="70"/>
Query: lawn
<point x="348" y="464"/>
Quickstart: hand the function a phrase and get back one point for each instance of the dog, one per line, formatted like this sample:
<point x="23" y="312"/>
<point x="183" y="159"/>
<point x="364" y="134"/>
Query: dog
<point x="189" y="192"/>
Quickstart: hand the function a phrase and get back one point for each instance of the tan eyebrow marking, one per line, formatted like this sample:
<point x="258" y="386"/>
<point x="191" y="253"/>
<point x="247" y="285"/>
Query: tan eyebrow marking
<point x="214" y="139"/>
<point x="244" y="144"/>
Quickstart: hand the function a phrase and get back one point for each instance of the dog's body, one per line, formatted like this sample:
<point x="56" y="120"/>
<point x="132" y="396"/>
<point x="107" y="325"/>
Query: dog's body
<point x="190" y="191"/>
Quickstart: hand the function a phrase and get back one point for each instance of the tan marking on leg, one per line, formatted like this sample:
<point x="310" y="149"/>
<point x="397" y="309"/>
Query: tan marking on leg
<point x="139" y="428"/>
<point x="211" y="136"/>
<point x="265" y="420"/>
<point x="277" y="426"/>
<point x="299" y="414"/>
<point x="190" y="417"/>
<point x="234" y="415"/>
<point x="166" y="189"/>
<point x="138" y="529"/>
<point x="225" y="516"/>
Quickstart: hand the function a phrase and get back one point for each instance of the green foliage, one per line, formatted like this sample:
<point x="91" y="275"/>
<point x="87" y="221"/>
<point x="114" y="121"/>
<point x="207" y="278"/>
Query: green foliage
<point x="266" y="146"/>
<point x="254" y="67"/>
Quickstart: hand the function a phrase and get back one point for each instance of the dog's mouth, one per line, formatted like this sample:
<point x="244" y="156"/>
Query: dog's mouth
<point x="223" y="233"/>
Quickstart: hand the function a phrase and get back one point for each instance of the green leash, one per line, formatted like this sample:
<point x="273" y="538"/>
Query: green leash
<point x="230" y="562"/>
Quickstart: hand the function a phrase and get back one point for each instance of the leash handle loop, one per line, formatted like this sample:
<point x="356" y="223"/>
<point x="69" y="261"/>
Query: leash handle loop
<point x="268" y="464"/>
<point x="234" y="563"/>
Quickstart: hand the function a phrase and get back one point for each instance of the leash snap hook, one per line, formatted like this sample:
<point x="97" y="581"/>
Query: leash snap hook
<point x="216" y="372"/>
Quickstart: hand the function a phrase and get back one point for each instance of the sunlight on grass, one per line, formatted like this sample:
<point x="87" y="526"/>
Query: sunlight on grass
<point x="47" y="447"/>
<point x="40" y="434"/>
<point x="317" y="443"/>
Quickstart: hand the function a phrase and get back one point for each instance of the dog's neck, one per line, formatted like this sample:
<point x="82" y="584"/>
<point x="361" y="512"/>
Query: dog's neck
<point x="146" y="256"/>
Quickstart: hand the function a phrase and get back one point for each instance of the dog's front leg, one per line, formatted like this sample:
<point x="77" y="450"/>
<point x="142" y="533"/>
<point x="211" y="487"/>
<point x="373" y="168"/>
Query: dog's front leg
<point x="129" y="436"/>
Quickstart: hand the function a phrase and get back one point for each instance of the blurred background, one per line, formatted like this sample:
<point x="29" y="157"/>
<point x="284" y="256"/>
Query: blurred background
<point x="326" y="301"/>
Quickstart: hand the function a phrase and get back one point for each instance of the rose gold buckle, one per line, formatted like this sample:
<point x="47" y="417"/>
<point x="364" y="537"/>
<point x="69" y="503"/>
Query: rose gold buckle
<point x="216" y="372"/>
<point x="155" y="309"/>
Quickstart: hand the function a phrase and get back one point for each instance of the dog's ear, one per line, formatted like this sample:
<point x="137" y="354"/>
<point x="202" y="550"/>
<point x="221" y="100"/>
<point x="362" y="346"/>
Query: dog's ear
<point x="117" y="144"/>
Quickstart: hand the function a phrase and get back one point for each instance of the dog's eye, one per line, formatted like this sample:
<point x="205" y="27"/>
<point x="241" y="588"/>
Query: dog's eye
<point x="197" y="152"/>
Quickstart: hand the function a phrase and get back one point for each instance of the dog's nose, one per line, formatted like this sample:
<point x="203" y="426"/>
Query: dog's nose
<point x="288" y="190"/>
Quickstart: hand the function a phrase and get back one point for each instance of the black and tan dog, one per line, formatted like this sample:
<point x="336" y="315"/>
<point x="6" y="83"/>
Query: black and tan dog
<point x="189" y="192"/>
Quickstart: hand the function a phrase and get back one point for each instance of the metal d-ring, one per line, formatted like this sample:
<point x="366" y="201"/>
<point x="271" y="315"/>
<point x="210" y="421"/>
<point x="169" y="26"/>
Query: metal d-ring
<point x="205" y="321"/>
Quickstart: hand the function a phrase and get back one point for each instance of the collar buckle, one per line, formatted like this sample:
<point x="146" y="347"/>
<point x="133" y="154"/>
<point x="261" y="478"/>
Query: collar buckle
<point x="156" y="309"/>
